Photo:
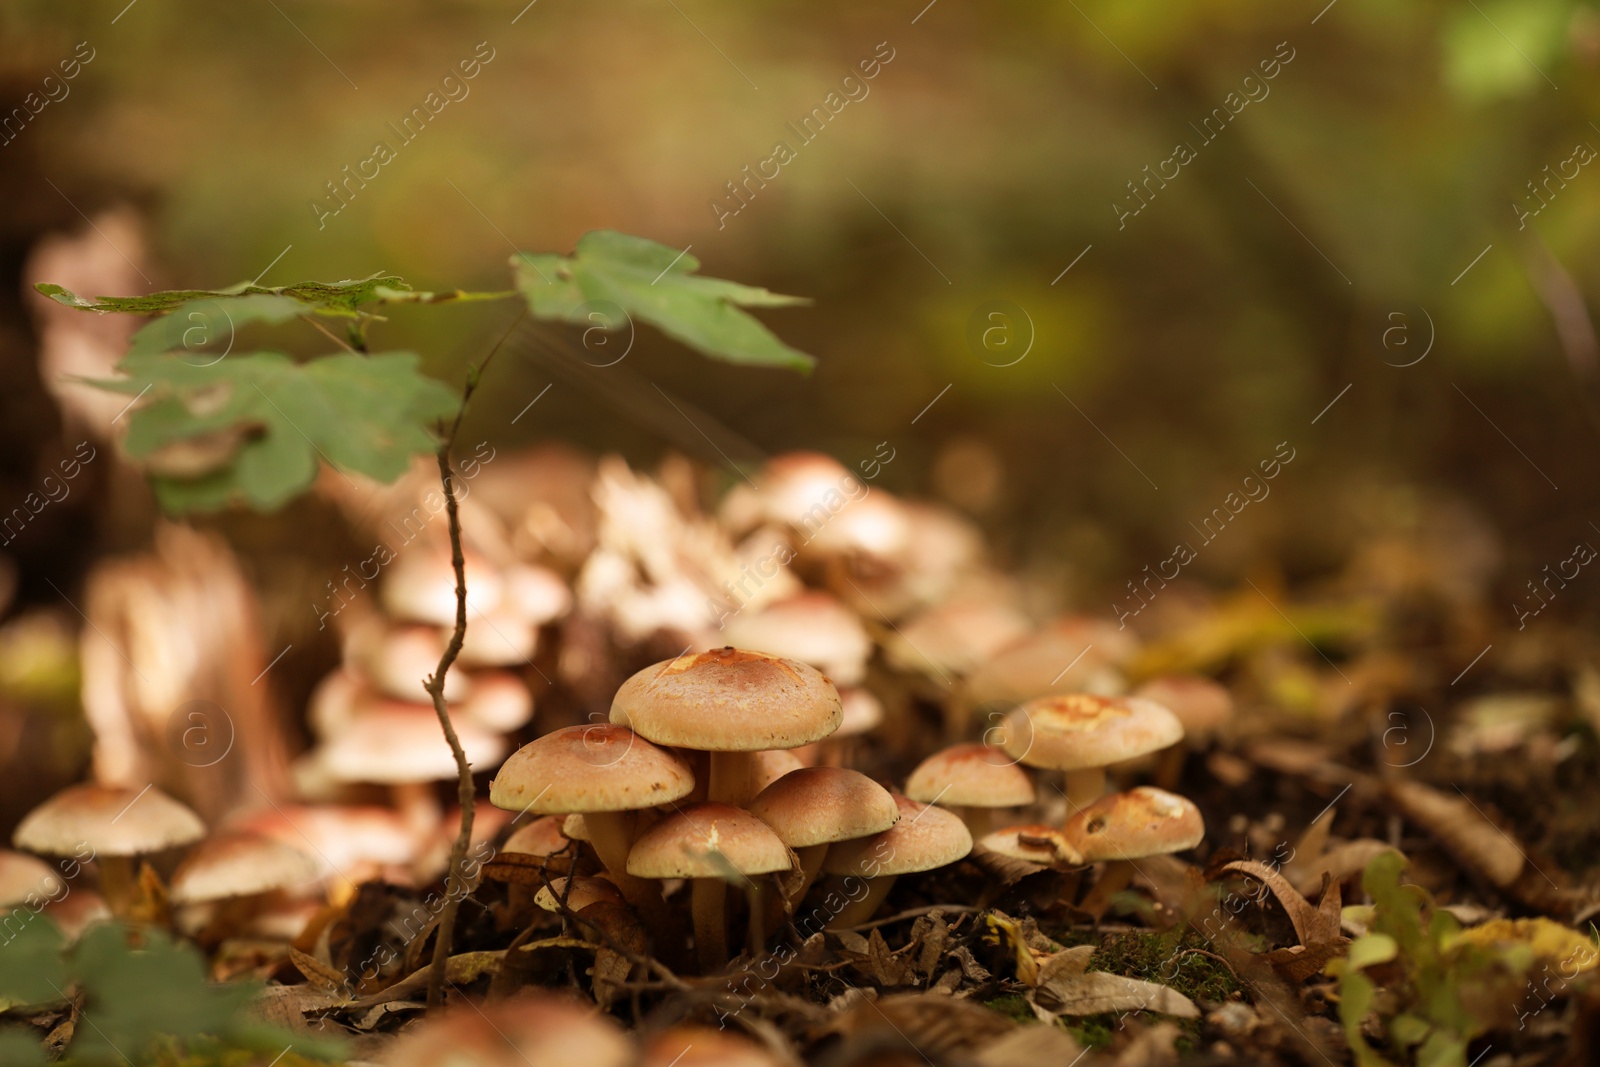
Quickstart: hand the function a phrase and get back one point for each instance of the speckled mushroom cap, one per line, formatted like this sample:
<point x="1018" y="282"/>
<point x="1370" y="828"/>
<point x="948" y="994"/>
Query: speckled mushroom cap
<point x="925" y="837"/>
<point x="813" y="628"/>
<point x="240" y="865"/>
<point x="971" y="776"/>
<point x="1202" y="705"/>
<point x="22" y="877"/>
<point x="391" y="744"/>
<point x="1145" y="821"/>
<point x="111" y="820"/>
<point x="531" y="1030"/>
<point x="1045" y="845"/>
<point x="585" y="891"/>
<point x="601" y="767"/>
<point x="705" y="1046"/>
<point x="729" y="700"/>
<point x="705" y="841"/>
<point x="821" y="805"/>
<point x="1079" y="730"/>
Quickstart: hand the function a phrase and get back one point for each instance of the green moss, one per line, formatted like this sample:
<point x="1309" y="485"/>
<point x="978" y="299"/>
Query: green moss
<point x="1013" y="1006"/>
<point x="1173" y="958"/>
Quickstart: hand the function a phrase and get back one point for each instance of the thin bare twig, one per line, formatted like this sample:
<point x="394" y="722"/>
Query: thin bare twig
<point x="455" y="881"/>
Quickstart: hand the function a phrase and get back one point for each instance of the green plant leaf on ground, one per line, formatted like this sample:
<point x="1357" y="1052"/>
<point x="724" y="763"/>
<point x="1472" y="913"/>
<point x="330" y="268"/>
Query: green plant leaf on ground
<point x="656" y="284"/>
<point x="31" y="970"/>
<point x="254" y="426"/>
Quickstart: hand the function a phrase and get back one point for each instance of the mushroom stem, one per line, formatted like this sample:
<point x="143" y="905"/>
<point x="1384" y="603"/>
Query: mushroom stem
<point x="980" y="821"/>
<point x="611" y="834"/>
<point x="1084" y="787"/>
<point x="757" y="933"/>
<point x="1113" y="880"/>
<point x="1169" y="766"/>
<point x="859" y="911"/>
<point x="419" y="807"/>
<point x="707" y="900"/>
<point x="117" y="883"/>
<point x="810" y="858"/>
<point x="732" y="778"/>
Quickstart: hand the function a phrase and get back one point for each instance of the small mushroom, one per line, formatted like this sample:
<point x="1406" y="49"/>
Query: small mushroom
<point x="1082" y="734"/>
<point x="401" y="746"/>
<point x="1201" y="704"/>
<point x="499" y="702"/>
<point x="606" y="773"/>
<point x="119" y="824"/>
<point x="420" y="585"/>
<point x="710" y="843"/>
<point x="1047" y="846"/>
<point x="974" y="781"/>
<point x="813" y="628"/>
<point x="26" y="881"/>
<point x="232" y="871"/>
<point x="814" y="807"/>
<point x="732" y="704"/>
<point x="1124" y="827"/>
<point x="924" y="838"/>
<point x="584" y="891"/>
<point x="529" y="1030"/>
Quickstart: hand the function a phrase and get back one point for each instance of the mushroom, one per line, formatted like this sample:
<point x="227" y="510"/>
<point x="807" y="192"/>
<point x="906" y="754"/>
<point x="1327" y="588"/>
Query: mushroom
<point x="420" y="586"/>
<point x="93" y="815"/>
<point x="398" y="659"/>
<point x="584" y="891"/>
<point x="1082" y="734"/>
<point x="954" y="637"/>
<point x="926" y="837"/>
<point x="348" y="842"/>
<point x="535" y="593"/>
<point x="814" y="807"/>
<point x="1201" y="704"/>
<point x="1124" y="827"/>
<point x="606" y="773"/>
<point x="704" y="1046"/>
<point x="401" y="746"/>
<point x="504" y="638"/>
<point x="973" y="780"/>
<point x="499" y="702"/>
<point x="709" y="843"/>
<point x="541" y="837"/>
<point x="226" y="870"/>
<point x="26" y="881"/>
<point x="1075" y="652"/>
<point x="529" y="1030"/>
<point x="1047" y="846"/>
<point x="813" y="628"/>
<point x="771" y="765"/>
<point x="732" y="704"/>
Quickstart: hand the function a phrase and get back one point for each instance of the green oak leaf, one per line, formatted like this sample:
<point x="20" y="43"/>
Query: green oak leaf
<point x="255" y="426"/>
<point x="657" y="284"/>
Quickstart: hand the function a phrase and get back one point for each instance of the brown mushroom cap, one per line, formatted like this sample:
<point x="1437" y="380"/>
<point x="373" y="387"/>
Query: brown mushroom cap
<point x="1201" y="704"/>
<point x="501" y="639"/>
<point x="22" y="877"/>
<point x="94" y="815"/>
<point x="240" y="865"/>
<point x="1037" y="664"/>
<point x="499" y="702"/>
<point x="1145" y="821"/>
<point x="955" y="636"/>
<point x="862" y="713"/>
<point x="396" y="659"/>
<point x="971" y="776"/>
<point x="1081" y="730"/>
<point x="704" y="1046"/>
<point x="729" y="700"/>
<point x="585" y="891"/>
<point x="537" y="594"/>
<point x="925" y="837"/>
<point x="813" y="628"/>
<point x="421" y="585"/>
<point x="531" y="1030"/>
<point x="602" y="767"/>
<point x="393" y="744"/>
<point x="1045" y="845"/>
<point x="707" y="841"/>
<point x="821" y="805"/>
<point x="340" y="838"/>
<point x="575" y="829"/>
<point x="541" y="837"/>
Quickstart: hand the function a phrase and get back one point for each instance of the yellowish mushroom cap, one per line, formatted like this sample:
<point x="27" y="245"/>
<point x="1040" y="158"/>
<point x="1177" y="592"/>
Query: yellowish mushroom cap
<point x="925" y="837"/>
<point x="1145" y="821"/>
<point x="821" y="805"/>
<point x="971" y="776"/>
<point x="708" y="841"/>
<point x="600" y="767"/>
<point x="1081" y="730"/>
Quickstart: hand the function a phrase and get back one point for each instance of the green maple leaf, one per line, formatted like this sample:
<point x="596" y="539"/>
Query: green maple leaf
<point x="656" y="284"/>
<point x="255" y="426"/>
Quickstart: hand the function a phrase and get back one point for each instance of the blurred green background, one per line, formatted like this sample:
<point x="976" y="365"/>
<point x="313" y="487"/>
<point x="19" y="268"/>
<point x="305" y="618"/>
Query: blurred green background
<point x="1373" y="184"/>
